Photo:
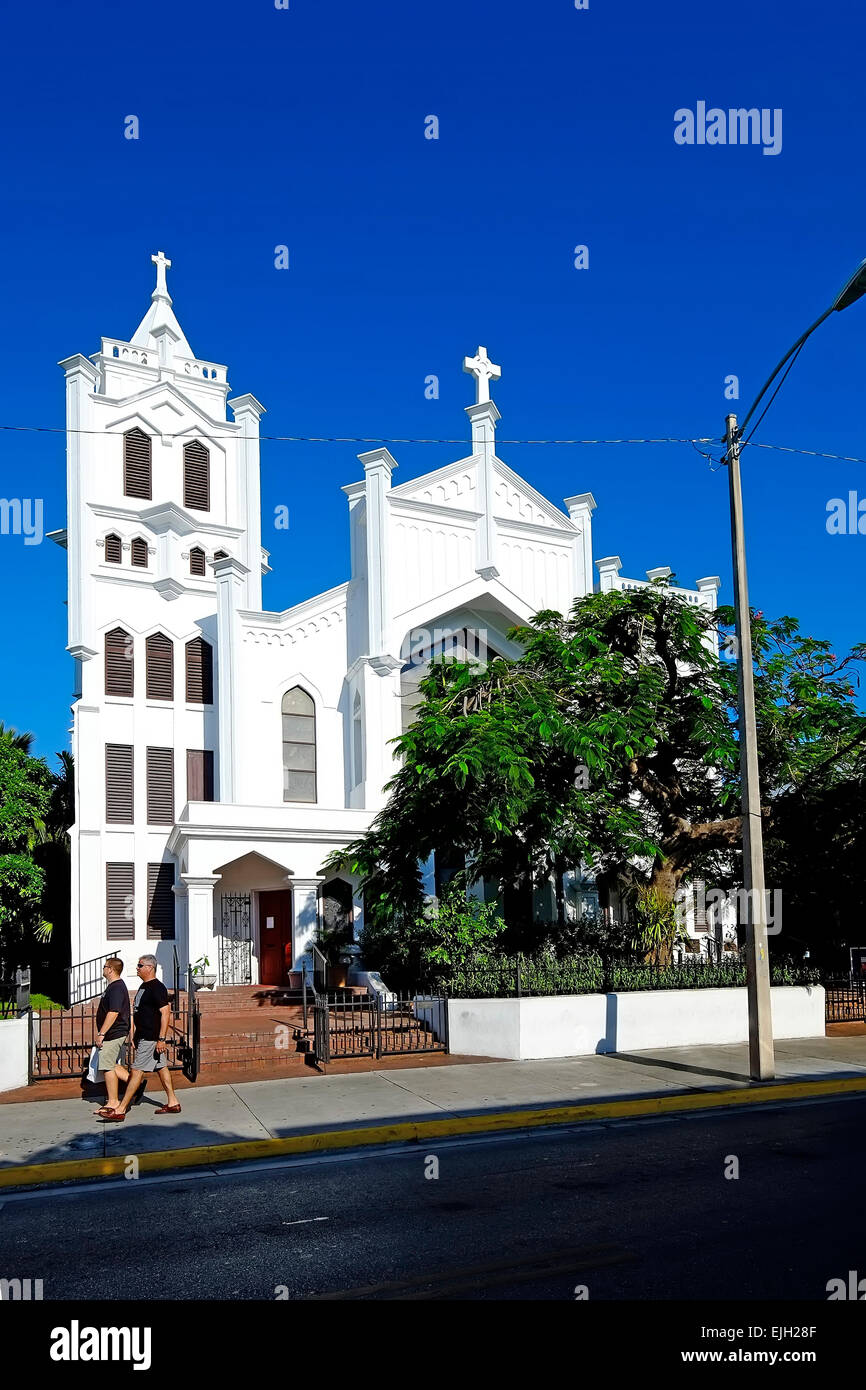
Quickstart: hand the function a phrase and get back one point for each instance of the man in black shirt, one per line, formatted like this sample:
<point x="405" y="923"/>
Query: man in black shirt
<point x="112" y="1027"/>
<point x="152" y="1018"/>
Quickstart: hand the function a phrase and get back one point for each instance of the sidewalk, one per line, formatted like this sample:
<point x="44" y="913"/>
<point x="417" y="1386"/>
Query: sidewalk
<point x="258" y="1119"/>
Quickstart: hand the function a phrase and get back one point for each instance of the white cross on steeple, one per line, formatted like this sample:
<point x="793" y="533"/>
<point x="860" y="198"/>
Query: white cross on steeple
<point x="162" y="264"/>
<point x="482" y="369"/>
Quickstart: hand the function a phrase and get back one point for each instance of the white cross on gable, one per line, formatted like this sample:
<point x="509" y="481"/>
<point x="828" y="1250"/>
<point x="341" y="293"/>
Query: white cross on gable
<point x="482" y="369"/>
<point x="162" y="264"/>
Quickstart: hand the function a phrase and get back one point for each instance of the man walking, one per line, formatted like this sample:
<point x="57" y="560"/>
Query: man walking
<point x="112" y="1027"/>
<point x="151" y="1018"/>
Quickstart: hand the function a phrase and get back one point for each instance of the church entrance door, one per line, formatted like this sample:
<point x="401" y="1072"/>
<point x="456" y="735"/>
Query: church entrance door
<point x="275" y="937"/>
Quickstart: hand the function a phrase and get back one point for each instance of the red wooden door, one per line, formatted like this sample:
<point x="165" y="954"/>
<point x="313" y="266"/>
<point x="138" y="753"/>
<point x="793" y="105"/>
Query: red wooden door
<point x="275" y="937"/>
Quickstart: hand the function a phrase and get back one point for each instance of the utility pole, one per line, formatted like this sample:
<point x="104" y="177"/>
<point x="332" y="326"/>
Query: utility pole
<point x="762" y="1062"/>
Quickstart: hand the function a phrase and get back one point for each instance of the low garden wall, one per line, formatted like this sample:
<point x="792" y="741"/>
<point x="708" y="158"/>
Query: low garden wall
<point x="14" y="1057"/>
<point x="576" y="1025"/>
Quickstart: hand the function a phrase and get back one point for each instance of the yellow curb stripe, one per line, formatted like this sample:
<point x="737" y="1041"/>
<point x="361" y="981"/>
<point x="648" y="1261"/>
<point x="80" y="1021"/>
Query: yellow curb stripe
<point x="405" y="1131"/>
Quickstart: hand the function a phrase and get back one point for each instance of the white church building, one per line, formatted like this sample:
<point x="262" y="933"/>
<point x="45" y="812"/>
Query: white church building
<point x="222" y="751"/>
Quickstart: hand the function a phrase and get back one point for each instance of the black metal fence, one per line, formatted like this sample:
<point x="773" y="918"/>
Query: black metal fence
<point x="845" y="1001"/>
<point x="62" y="1039"/>
<point x="389" y="1025"/>
<point x="15" y="993"/>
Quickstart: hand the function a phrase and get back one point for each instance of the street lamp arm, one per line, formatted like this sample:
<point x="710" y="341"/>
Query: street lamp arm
<point x="776" y="370"/>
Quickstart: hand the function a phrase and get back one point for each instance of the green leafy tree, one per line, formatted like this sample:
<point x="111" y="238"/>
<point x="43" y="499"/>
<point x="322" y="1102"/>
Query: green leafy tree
<point x="612" y="740"/>
<point x="25" y="795"/>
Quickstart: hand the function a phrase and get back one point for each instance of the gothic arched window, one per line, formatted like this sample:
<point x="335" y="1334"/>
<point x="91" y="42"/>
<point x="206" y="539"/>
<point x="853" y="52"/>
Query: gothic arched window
<point x="196" y="476"/>
<point x="139" y="552"/>
<point x="113" y="549"/>
<point x="137" y="464"/>
<point x="299" y="746"/>
<point x="196" y="560"/>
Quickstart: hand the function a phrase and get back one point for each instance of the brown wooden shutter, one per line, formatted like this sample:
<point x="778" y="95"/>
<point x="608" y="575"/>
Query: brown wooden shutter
<point x="160" y="786"/>
<point x="196" y="476"/>
<point x="199" y="672"/>
<point x="196" y="561"/>
<point x="160" y="902"/>
<point x="120" y="902"/>
<point x="199" y="774"/>
<point x="160" y="667"/>
<point x="136" y="464"/>
<point x="113" y="550"/>
<point x="119" y="789"/>
<point x="139" y="552"/>
<point x="119" y="664"/>
<point x="221" y="555"/>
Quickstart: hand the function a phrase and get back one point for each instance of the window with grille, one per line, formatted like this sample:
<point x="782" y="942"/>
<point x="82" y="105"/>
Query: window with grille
<point x="137" y="464"/>
<point x="196" y="476"/>
<point x="119" y="791"/>
<point x="299" y="746"/>
<point x="113" y="549"/>
<point x="196" y="560"/>
<point x="199" y="774"/>
<point x="120" y="902"/>
<point x="160" y="667"/>
<point x="160" y="786"/>
<point x="199" y="672"/>
<point x="160" y="902"/>
<point x="139" y="552"/>
<point x="119" y="665"/>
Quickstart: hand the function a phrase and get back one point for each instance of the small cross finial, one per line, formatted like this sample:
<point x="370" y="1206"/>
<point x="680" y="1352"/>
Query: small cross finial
<point x="482" y="369"/>
<point x="162" y="264"/>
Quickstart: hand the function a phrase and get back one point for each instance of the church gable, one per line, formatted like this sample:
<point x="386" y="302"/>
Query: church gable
<point x="516" y="500"/>
<point x="455" y="486"/>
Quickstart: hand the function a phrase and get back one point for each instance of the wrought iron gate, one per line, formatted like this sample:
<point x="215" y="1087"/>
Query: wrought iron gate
<point x="236" y="943"/>
<point x="352" y="1025"/>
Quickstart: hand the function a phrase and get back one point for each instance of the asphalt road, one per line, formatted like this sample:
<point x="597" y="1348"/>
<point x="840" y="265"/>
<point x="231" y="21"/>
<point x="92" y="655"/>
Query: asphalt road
<point x="638" y="1209"/>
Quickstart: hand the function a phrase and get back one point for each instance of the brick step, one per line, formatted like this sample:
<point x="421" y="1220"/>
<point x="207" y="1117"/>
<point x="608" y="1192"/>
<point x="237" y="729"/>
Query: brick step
<point x="285" y="1062"/>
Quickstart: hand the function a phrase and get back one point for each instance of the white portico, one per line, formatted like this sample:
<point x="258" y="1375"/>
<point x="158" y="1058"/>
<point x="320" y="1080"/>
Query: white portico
<point x="224" y="750"/>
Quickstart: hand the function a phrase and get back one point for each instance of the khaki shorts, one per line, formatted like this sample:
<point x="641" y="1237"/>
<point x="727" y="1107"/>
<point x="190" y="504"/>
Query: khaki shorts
<point x="109" y="1053"/>
<point x="145" y="1058"/>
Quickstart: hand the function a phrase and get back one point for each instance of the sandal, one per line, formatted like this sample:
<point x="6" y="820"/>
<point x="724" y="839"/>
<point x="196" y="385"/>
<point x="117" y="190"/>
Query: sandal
<point x="168" y="1110"/>
<point x="105" y="1110"/>
<point x="114" y="1115"/>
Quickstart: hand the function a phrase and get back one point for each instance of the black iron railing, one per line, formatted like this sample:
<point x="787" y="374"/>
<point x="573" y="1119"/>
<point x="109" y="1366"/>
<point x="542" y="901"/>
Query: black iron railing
<point x="845" y="1001"/>
<point x="84" y="981"/>
<point x="388" y="1025"/>
<point x="320" y="970"/>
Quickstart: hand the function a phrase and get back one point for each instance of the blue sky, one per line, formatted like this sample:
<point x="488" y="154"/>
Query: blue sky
<point x="305" y="127"/>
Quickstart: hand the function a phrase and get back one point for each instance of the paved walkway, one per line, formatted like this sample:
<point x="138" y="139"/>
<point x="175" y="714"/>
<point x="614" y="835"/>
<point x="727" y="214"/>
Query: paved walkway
<point x="58" y="1130"/>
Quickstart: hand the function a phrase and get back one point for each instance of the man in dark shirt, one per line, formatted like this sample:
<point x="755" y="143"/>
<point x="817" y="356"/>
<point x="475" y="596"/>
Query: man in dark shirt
<point x="112" y="1027"/>
<point x="152" y="1019"/>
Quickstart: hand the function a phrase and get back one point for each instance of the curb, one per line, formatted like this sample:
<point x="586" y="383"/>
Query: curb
<point x="416" y="1131"/>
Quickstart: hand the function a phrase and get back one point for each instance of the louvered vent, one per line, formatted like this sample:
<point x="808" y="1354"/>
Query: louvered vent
<point x="160" y="667"/>
<point x="136" y="464"/>
<point x="118" y="784"/>
<point x="199" y="672"/>
<point x="113" y="550"/>
<point x="160" y="902"/>
<point x="196" y="476"/>
<point x="119" y="665"/>
<point x="120" y="901"/>
<point x="139" y="552"/>
<point x="160" y="786"/>
<point x="199" y="774"/>
<point x="196" y="561"/>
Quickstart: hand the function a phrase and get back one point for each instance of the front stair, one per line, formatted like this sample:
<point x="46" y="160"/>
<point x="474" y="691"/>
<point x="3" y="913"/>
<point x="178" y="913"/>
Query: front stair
<point x="255" y="1027"/>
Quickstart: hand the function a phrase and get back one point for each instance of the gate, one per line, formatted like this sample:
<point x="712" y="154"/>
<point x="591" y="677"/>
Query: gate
<point x="236" y="943"/>
<point x="351" y="1025"/>
<point x="845" y="1001"/>
<point x="61" y="1039"/>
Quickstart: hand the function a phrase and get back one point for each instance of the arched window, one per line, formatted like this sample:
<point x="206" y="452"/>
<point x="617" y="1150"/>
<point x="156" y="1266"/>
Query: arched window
<point x="196" y="560"/>
<point x="113" y="549"/>
<point x="199" y="672"/>
<point x="196" y="476"/>
<point x="357" y="739"/>
<point x="137" y="464"/>
<point x="119" y="664"/>
<point x="299" y="746"/>
<point x="159" y="651"/>
<point x="139" y="552"/>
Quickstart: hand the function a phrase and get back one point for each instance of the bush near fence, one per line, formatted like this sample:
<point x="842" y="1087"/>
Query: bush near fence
<point x="508" y="977"/>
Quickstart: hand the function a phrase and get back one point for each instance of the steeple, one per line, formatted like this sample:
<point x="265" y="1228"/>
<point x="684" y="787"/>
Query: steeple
<point x="159" y="329"/>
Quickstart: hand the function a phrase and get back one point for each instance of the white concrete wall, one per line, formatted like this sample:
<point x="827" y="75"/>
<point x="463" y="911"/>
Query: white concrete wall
<point x="14" y="1062"/>
<point x="577" y="1025"/>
